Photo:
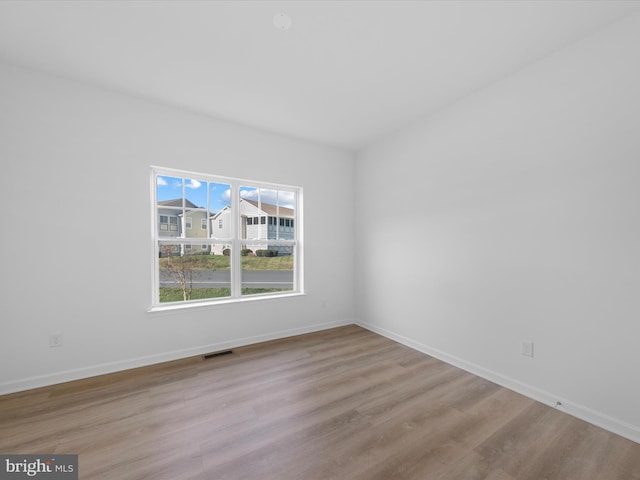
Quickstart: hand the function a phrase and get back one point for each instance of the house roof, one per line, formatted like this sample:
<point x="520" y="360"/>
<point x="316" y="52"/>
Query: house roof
<point x="177" y="202"/>
<point x="270" y="209"/>
<point x="267" y="208"/>
<point x="216" y="214"/>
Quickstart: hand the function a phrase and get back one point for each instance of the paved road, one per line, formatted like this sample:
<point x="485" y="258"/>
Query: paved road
<point x="222" y="279"/>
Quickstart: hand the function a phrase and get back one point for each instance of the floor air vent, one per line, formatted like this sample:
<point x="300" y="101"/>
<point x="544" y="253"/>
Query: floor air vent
<point x="207" y="356"/>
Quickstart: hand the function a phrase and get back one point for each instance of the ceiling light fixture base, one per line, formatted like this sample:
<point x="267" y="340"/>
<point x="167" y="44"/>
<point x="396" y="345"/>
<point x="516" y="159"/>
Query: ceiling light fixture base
<point x="282" y="21"/>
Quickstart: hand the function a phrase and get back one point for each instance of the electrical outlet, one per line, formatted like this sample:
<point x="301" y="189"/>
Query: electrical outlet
<point x="527" y="349"/>
<point x="55" y="340"/>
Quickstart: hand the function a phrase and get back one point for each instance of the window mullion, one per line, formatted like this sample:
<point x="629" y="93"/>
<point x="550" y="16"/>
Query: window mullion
<point x="155" y="271"/>
<point x="236" y="243"/>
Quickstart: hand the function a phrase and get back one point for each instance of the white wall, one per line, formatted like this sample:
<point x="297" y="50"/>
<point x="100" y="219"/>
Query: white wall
<point x="75" y="247"/>
<point x="515" y="215"/>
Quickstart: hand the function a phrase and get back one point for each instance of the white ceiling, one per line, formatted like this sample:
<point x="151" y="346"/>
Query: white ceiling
<point x="345" y="74"/>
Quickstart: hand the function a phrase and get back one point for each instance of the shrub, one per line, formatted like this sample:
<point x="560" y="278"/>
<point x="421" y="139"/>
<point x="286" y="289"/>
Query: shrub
<point x="245" y="251"/>
<point x="226" y="252"/>
<point x="267" y="253"/>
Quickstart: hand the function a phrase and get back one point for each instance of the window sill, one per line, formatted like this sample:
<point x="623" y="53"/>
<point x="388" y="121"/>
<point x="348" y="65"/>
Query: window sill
<point x="230" y="301"/>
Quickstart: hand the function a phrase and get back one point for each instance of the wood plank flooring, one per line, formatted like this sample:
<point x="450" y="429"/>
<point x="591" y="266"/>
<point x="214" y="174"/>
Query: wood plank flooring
<point x="339" y="404"/>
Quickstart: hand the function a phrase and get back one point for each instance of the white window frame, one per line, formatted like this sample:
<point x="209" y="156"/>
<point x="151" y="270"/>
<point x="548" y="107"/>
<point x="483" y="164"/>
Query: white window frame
<point x="236" y="242"/>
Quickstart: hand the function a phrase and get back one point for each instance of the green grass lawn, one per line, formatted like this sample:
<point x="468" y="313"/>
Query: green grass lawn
<point x="175" y="294"/>
<point x="221" y="262"/>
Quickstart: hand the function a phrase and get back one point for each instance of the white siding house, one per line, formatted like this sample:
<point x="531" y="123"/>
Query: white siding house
<point x="260" y="221"/>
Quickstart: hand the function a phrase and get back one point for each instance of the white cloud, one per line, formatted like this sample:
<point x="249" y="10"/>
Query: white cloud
<point x="191" y="183"/>
<point x="249" y="194"/>
<point x="287" y="199"/>
<point x="161" y="181"/>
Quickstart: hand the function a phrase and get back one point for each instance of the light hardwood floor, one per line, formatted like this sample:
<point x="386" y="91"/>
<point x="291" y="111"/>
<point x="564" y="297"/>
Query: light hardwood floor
<point x="339" y="404"/>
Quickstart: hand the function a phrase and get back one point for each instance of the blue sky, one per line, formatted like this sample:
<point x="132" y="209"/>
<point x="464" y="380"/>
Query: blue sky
<point x="169" y="188"/>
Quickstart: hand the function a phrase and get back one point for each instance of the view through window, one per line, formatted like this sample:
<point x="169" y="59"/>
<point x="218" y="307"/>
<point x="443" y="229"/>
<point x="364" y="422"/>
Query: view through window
<point x="246" y="243"/>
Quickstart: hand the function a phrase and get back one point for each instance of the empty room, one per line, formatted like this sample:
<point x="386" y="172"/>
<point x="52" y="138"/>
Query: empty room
<point x="309" y="240"/>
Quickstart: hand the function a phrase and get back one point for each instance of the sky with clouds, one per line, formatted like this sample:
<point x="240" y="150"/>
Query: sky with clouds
<point x="216" y="195"/>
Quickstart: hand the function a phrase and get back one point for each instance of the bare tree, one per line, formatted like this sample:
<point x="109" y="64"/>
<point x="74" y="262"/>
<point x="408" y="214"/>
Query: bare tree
<point x="179" y="268"/>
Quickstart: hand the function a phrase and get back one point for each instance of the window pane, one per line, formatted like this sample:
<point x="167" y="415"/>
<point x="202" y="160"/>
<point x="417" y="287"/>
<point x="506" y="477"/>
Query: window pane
<point x="266" y="268"/>
<point x="192" y="274"/>
<point x="169" y="195"/>
<point x="220" y="210"/>
<point x="249" y="208"/>
<point x="287" y="213"/>
<point x="195" y="192"/>
<point x="169" y="191"/>
<point x="193" y="218"/>
<point x="267" y="214"/>
<point x="279" y="207"/>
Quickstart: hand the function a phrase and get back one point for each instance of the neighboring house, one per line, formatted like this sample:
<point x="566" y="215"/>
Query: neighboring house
<point x="260" y="221"/>
<point x="169" y="217"/>
<point x="192" y="224"/>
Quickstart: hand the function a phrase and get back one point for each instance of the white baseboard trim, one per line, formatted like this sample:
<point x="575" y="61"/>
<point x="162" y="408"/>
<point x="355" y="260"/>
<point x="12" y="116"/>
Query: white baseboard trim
<point x="112" y="367"/>
<point x="601" y="420"/>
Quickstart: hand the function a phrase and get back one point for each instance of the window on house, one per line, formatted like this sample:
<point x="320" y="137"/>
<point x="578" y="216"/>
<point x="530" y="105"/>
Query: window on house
<point x="236" y="258"/>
